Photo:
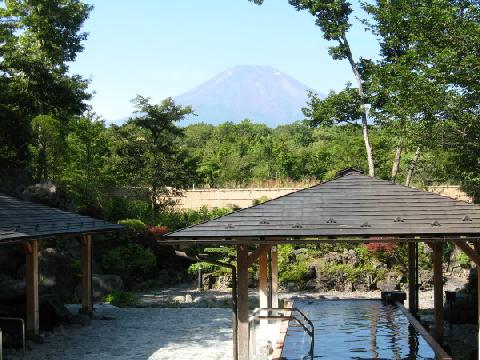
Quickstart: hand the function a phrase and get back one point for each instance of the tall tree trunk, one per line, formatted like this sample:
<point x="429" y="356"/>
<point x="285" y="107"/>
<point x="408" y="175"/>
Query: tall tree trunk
<point x="412" y="167"/>
<point x="396" y="162"/>
<point x="361" y="94"/>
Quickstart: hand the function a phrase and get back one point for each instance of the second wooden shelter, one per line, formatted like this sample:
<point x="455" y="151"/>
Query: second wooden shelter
<point x="351" y="208"/>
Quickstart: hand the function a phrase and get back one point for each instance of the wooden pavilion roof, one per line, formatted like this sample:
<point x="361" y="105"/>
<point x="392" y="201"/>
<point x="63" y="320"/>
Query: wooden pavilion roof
<point x="24" y="220"/>
<point x="352" y="207"/>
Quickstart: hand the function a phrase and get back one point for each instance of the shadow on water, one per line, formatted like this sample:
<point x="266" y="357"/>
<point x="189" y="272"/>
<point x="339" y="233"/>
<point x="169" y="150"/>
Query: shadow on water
<point x="356" y="329"/>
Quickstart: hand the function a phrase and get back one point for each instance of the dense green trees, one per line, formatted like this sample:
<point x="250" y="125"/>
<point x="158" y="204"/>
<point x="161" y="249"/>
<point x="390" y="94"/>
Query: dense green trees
<point x="37" y="41"/>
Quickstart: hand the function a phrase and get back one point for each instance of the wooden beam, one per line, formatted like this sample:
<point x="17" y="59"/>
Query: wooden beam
<point x="31" y="283"/>
<point x="412" y="285"/>
<point x="261" y="249"/>
<point x="87" y="301"/>
<point x="462" y="245"/>
<point x="438" y="290"/>
<point x="274" y="265"/>
<point x="242" y="274"/>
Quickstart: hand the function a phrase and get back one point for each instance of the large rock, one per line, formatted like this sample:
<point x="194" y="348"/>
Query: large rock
<point x="425" y="279"/>
<point x="52" y="312"/>
<point x="208" y="281"/>
<point x="102" y="284"/>
<point x="56" y="273"/>
<point x="11" y="290"/>
<point x="10" y="260"/>
<point x="48" y="194"/>
<point x="390" y="282"/>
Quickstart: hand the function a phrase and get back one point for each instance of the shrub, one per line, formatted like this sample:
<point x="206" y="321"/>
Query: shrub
<point x="134" y="226"/>
<point x="206" y="268"/>
<point x="132" y="262"/>
<point x="122" y="299"/>
<point x="463" y="260"/>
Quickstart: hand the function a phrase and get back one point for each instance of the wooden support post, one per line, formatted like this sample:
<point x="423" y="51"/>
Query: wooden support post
<point x="261" y="249"/>
<point x="31" y="283"/>
<point x="262" y="280"/>
<point x="87" y="302"/>
<point x="438" y="290"/>
<point x="274" y="257"/>
<point x="242" y="273"/>
<point x="412" y="284"/>
<point x="263" y="285"/>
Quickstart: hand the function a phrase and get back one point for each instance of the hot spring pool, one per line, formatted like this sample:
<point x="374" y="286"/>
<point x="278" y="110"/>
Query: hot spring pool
<point x="355" y="329"/>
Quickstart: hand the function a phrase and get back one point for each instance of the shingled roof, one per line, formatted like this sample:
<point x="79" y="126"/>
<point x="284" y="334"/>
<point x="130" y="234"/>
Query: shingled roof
<point x="24" y="220"/>
<point x="350" y="207"/>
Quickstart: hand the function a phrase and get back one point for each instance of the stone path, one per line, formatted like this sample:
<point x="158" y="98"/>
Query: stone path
<point x="140" y="334"/>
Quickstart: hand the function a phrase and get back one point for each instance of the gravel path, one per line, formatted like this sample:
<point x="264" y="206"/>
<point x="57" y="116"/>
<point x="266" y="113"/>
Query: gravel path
<point x="139" y="334"/>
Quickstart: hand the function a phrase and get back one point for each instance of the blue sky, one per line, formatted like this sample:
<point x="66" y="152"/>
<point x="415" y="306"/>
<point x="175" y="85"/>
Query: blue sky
<point x="161" y="48"/>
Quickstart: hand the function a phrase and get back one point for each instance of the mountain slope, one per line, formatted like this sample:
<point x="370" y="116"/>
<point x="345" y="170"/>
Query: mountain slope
<point x="259" y="93"/>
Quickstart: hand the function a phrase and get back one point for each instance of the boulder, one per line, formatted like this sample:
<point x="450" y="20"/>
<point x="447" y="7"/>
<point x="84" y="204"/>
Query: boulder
<point x="56" y="273"/>
<point x="48" y="194"/>
<point x="224" y="282"/>
<point x="52" y="312"/>
<point x="102" y="285"/>
<point x="10" y="260"/>
<point x="208" y="281"/>
<point x="425" y="279"/>
<point x="350" y="257"/>
<point x="178" y="299"/>
<point x="11" y="289"/>
<point x="390" y="282"/>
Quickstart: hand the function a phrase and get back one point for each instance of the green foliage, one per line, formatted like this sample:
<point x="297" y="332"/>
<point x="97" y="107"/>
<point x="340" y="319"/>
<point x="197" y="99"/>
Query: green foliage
<point x="133" y="262"/>
<point x="206" y="268"/>
<point x="291" y="271"/>
<point x="463" y="260"/>
<point x="122" y="299"/>
<point x="85" y="161"/>
<point x="38" y="40"/>
<point x="166" y="170"/>
<point x="344" y="106"/>
<point x="134" y="226"/>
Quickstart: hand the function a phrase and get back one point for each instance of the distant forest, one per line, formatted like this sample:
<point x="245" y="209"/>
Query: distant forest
<point x="412" y="116"/>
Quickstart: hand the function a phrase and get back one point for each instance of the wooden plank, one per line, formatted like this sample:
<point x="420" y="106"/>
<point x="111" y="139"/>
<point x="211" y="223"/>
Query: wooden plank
<point x="412" y="303"/>
<point x="438" y="290"/>
<point x="242" y="274"/>
<point x="274" y="257"/>
<point x="31" y="283"/>
<point x="260" y="250"/>
<point x="87" y="301"/>
<point x="471" y="253"/>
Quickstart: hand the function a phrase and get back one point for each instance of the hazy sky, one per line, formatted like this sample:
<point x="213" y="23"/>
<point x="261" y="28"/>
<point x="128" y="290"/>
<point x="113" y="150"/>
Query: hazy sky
<point x="161" y="48"/>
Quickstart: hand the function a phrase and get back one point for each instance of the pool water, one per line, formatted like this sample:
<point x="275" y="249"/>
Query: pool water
<point x="355" y="329"/>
